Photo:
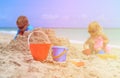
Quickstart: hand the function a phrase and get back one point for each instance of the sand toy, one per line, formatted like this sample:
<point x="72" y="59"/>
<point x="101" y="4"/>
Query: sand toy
<point x="38" y="50"/>
<point x="59" y="53"/>
<point x="87" y="52"/>
<point x="107" y="56"/>
<point x="77" y="62"/>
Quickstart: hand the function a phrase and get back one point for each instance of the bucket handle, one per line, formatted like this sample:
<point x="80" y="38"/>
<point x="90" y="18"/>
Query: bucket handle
<point x="61" y="54"/>
<point x="39" y="32"/>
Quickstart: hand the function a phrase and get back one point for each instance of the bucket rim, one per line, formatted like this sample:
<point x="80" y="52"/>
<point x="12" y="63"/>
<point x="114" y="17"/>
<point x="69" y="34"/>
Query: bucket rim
<point x="34" y="32"/>
<point x="41" y="44"/>
<point x="59" y="47"/>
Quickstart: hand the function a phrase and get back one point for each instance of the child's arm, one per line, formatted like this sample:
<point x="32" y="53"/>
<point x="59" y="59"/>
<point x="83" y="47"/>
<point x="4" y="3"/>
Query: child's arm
<point x="16" y="34"/>
<point x="85" y="45"/>
<point x="105" y="41"/>
<point x="88" y="43"/>
<point x="105" y="38"/>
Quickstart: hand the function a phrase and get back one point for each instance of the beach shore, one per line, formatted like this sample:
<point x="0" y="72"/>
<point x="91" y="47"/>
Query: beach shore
<point x="5" y="39"/>
<point x="20" y="64"/>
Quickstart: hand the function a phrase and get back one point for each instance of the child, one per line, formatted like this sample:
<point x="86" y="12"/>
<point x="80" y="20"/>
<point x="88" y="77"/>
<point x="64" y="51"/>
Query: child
<point x="23" y="25"/>
<point x="97" y="42"/>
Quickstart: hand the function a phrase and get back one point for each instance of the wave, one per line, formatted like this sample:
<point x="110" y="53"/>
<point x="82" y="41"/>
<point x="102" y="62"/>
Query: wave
<point x="9" y="32"/>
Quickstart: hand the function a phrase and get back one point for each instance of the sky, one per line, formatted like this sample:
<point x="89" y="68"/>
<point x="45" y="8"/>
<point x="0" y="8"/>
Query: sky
<point x="61" y="13"/>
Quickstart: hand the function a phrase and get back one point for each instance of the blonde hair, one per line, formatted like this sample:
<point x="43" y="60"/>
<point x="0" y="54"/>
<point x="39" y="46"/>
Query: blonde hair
<point x="22" y="22"/>
<point x="94" y="27"/>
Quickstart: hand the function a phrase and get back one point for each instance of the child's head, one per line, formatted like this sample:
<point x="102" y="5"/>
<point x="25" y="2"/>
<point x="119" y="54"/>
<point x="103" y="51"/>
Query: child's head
<point x="22" y="22"/>
<point x="94" y="28"/>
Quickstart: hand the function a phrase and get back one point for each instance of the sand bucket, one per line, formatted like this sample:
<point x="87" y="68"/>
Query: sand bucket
<point x="59" y="53"/>
<point x="39" y="51"/>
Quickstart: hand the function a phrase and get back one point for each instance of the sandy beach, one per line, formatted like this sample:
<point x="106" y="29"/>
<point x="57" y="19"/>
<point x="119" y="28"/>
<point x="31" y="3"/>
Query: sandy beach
<point x="16" y="63"/>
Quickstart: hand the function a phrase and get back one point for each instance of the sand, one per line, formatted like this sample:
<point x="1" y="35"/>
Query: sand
<point x="16" y="63"/>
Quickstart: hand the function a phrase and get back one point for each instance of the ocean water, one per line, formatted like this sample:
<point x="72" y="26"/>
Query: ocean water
<point x="9" y="30"/>
<point x="82" y="34"/>
<point x="76" y="34"/>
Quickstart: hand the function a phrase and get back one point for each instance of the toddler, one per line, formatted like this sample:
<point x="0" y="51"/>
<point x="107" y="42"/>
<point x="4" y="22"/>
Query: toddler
<point x="97" y="42"/>
<point x="23" y="25"/>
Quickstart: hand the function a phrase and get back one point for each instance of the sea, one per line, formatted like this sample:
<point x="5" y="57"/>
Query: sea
<point x="76" y="35"/>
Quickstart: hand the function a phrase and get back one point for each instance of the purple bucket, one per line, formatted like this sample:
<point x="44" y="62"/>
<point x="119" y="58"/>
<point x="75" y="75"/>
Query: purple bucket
<point x="59" y="53"/>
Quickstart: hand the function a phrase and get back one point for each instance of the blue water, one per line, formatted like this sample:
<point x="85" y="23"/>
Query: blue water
<point x="9" y="30"/>
<point x="78" y="34"/>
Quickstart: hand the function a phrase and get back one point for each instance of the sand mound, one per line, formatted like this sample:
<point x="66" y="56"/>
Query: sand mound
<point x="47" y="36"/>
